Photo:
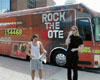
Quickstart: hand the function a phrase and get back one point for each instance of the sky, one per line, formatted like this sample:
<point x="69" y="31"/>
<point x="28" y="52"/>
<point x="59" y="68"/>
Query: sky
<point x="4" y="6"/>
<point x="93" y="4"/>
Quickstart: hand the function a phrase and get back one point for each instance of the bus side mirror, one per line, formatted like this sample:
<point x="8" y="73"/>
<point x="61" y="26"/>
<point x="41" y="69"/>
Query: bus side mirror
<point x="92" y="25"/>
<point x="99" y="36"/>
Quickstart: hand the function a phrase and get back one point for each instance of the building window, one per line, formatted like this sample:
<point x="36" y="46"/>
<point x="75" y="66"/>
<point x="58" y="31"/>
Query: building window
<point x="4" y="6"/>
<point x="31" y="3"/>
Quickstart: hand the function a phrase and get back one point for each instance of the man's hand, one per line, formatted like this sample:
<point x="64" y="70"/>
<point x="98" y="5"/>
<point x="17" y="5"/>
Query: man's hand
<point x="45" y="52"/>
<point x="73" y="50"/>
<point x="32" y="57"/>
<point x="70" y="33"/>
<point x="77" y="49"/>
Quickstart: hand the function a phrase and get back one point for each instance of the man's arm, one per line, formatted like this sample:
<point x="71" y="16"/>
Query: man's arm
<point x="77" y="49"/>
<point x="67" y="40"/>
<point x="42" y="48"/>
<point x="28" y="51"/>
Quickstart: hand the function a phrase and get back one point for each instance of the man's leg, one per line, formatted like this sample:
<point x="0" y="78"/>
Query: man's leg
<point x="69" y="69"/>
<point x="33" y="74"/>
<point x="69" y="73"/>
<point x="40" y="73"/>
<point x="75" y="72"/>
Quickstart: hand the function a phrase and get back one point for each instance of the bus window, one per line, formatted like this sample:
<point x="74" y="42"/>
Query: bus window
<point x="84" y="29"/>
<point x="96" y="22"/>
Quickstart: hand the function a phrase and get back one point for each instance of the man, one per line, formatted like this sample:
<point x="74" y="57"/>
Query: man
<point x="74" y="43"/>
<point x="35" y="47"/>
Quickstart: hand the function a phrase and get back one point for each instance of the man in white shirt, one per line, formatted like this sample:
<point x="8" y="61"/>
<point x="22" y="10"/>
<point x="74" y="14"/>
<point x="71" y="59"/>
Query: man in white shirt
<point x="34" y="47"/>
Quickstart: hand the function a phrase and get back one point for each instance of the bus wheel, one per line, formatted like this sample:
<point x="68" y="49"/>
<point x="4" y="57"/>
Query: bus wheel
<point x="59" y="58"/>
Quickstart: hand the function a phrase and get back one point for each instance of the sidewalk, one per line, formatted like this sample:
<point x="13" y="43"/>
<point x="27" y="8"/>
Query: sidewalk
<point x="61" y="75"/>
<point x="13" y="69"/>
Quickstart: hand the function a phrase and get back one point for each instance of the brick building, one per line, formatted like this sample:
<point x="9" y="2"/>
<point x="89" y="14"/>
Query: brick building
<point x="14" y="5"/>
<point x="27" y="4"/>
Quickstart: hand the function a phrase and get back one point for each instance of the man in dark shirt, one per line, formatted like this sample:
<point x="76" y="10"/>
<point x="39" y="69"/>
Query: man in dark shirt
<point x="74" y="43"/>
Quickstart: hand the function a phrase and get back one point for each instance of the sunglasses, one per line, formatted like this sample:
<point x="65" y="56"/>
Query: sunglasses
<point x="73" y="29"/>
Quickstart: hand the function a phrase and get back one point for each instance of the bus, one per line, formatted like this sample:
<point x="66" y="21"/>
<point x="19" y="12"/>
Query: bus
<point x="52" y="24"/>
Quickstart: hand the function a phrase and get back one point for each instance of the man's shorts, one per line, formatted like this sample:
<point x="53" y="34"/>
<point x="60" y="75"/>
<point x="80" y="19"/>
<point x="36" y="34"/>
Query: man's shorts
<point x="36" y="64"/>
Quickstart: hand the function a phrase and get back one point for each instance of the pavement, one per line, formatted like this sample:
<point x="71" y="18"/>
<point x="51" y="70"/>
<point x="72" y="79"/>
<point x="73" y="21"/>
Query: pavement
<point x="15" y="69"/>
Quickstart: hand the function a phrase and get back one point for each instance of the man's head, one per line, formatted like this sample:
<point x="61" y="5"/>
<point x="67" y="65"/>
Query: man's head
<point x="75" y="31"/>
<point x="35" y="38"/>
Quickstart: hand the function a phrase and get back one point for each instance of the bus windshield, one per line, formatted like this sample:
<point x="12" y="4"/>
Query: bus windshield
<point x="96" y="22"/>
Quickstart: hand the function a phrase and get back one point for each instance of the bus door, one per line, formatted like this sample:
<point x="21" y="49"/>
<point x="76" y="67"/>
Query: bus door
<point x="85" y="31"/>
<point x="96" y="48"/>
<point x="4" y="42"/>
<point x="18" y="49"/>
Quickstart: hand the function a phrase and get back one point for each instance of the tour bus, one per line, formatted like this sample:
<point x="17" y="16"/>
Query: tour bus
<point x="52" y="24"/>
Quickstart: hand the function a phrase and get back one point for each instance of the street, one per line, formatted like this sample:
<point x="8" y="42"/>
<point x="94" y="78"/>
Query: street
<point x="16" y="69"/>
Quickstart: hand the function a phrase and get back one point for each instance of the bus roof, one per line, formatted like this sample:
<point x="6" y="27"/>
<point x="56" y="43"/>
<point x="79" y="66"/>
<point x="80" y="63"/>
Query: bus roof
<point x="50" y="8"/>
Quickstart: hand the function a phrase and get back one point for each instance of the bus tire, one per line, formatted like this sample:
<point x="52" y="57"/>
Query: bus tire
<point x="59" y="58"/>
